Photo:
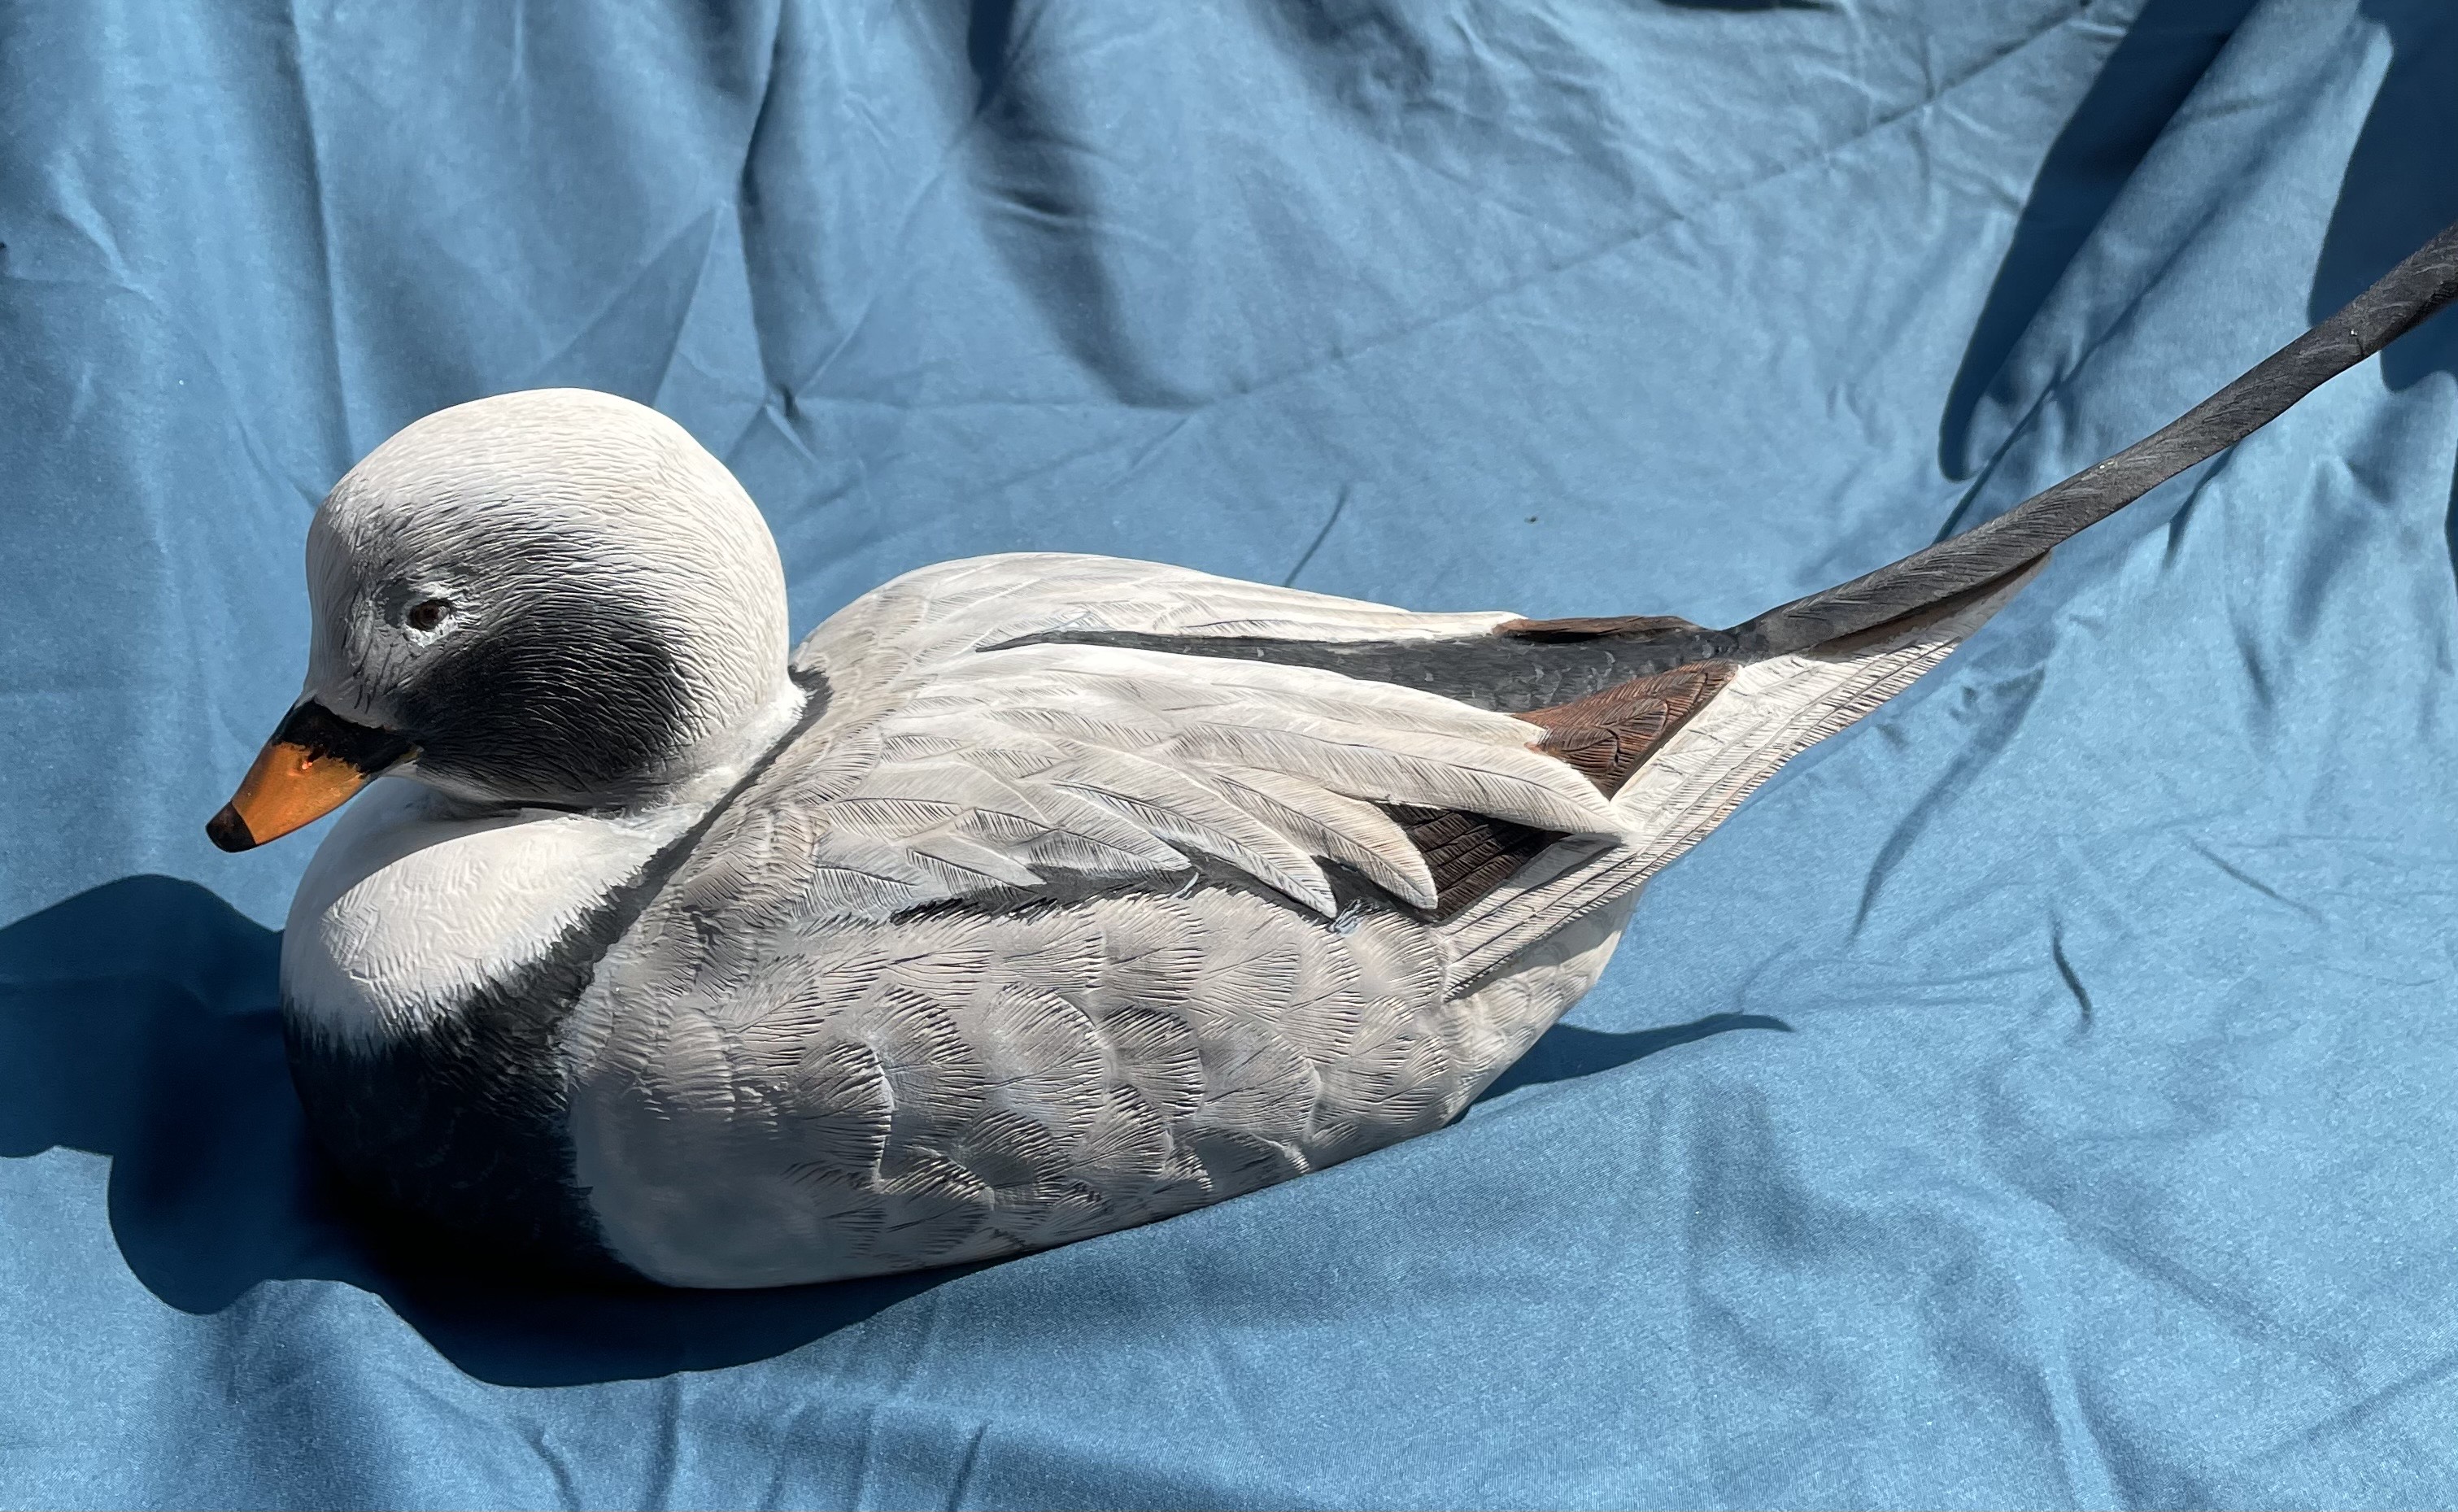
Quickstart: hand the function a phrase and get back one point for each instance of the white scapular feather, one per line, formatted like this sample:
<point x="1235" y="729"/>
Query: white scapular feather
<point x="1336" y="828"/>
<point x="1263" y="769"/>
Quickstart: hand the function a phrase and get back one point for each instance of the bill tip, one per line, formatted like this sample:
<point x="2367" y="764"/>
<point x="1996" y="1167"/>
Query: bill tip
<point x="227" y="830"/>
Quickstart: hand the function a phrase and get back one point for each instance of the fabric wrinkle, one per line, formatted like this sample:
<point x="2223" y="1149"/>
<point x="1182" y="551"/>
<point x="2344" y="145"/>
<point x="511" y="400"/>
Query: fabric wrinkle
<point x="2103" y="1152"/>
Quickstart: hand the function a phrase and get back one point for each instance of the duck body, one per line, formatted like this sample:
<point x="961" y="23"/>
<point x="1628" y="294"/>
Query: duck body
<point x="1033" y="897"/>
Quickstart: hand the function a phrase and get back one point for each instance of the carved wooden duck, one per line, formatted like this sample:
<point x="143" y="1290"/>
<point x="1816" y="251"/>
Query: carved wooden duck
<point x="1031" y="897"/>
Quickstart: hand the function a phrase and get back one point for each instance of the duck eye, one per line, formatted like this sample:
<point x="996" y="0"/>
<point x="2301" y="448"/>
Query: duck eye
<point x="428" y="612"/>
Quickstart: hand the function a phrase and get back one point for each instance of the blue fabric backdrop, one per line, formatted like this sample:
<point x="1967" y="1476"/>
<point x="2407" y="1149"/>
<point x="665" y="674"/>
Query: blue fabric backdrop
<point x="2041" y="1095"/>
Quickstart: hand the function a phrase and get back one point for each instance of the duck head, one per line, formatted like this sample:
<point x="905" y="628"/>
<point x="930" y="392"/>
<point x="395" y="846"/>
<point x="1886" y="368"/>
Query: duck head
<point x="554" y="598"/>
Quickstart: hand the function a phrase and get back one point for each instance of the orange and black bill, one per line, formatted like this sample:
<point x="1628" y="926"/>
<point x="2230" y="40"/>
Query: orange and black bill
<point x="309" y="768"/>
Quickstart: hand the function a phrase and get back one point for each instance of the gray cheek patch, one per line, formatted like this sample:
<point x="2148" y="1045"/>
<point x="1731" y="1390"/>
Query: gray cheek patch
<point x="571" y="693"/>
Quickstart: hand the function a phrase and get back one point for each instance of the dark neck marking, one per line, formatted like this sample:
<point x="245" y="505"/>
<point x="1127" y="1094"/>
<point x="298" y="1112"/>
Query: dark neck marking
<point x="464" y="1123"/>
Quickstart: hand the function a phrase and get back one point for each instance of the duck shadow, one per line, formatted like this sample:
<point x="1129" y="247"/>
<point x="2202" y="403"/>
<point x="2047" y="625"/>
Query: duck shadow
<point x="2147" y="77"/>
<point x="2399" y="189"/>
<point x="1568" y="1051"/>
<point x="2401" y="184"/>
<point x="1754" y="5"/>
<point x="140" y="1021"/>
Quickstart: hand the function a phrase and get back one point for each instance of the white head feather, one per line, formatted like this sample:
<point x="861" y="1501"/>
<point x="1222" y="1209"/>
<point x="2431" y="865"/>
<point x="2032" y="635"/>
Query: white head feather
<point x="557" y="593"/>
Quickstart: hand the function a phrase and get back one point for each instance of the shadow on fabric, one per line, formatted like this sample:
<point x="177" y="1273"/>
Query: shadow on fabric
<point x="1568" y="1050"/>
<point x="140" y="1021"/>
<point x="2400" y="190"/>
<point x="2162" y="56"/>
<point x="2401" y="187"/>
<point x="1754" y="4"/>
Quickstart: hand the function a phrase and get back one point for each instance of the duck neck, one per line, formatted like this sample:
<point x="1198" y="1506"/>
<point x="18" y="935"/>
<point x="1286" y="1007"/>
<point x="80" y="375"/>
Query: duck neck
<point x="720" y="761"/>
<point x="418" y="903"/>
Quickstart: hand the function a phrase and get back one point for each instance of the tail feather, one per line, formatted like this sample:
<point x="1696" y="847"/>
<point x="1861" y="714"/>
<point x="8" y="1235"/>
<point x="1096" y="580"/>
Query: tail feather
<point x="1764" y="714"/>
<point x="2406" y="296"/>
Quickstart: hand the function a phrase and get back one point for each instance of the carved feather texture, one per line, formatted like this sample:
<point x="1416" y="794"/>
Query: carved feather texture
<point x="1768" y="712"/>
<point x="988" y="1080"/>
<point x="986" y="771"/>
<point x="1017" y="945"/>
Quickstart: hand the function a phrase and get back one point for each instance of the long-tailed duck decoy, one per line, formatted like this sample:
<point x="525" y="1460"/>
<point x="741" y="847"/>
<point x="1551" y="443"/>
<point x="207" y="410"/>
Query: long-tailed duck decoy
<point x="1032" y="897"/>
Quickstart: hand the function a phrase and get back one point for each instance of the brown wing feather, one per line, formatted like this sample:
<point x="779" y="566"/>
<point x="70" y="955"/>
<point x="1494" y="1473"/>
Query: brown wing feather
<point x="1606" y="735"/>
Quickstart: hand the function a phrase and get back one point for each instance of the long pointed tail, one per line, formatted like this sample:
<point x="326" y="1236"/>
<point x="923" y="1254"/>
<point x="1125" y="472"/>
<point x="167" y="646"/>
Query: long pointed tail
<point x="1960" y="565"/>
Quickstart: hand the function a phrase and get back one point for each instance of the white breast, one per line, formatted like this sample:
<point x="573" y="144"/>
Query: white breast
<point x="408" y="907"/>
